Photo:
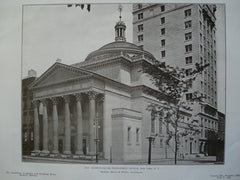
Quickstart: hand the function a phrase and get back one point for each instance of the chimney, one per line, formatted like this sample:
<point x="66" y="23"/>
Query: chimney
<point x="59" y="60"/>
<point x="32" y="73"/>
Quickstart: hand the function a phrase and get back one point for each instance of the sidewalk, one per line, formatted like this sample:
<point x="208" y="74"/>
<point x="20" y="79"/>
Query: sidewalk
<point x="187" y="161"/>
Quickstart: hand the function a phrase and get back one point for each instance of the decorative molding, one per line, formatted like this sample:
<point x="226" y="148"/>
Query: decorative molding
<point x="35" y="103"/>
<point x="44" y="102"/>
<point x="54" y="100"/>
<point x="126" y="116"/>
<point x="92" y="95"/>
<point x="78" y="97"/>
<point x="59" y="66"/>
<point x="66" y="98"/>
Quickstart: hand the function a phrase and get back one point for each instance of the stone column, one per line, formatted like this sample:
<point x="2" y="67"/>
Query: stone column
<point x="67" y="123"/>
<point x="92" y="96"/>
<point x="79" y="150"/>
<point x="106" y="138"/>
<point x="55" y="125"/>
<point x="36" y="126"/>
<point x="45" y="127"/>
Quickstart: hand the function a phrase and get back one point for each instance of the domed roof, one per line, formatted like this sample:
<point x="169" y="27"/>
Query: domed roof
<point x="118" y="46"/>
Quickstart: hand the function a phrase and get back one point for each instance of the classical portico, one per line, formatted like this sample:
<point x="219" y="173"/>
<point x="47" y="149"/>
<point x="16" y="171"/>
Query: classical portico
<point x="77" y="102"/>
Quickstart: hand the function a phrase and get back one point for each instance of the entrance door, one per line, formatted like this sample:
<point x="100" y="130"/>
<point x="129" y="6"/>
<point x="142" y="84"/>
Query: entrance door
<point x="84" y="144"/>
<point x="60" y="145"/>
<point x="190" y="147"/>
<point x="73" y="144"/>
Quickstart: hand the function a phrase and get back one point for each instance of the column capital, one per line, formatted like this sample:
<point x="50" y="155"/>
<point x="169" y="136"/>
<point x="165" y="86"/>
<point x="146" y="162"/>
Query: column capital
<point x="35" y="103"/>
<point x="54" y="100"/>
<point x="92" y="95"/>
<point x="66" y="98"/>
<point x="44" y="101"/>
<point x="78" y="97"/>
<point x="101" y="98"/>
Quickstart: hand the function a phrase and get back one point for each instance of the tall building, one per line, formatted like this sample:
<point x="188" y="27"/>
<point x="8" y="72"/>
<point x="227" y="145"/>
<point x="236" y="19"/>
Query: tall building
<point x="27" y="113"/>
<point x="182" y="35"/>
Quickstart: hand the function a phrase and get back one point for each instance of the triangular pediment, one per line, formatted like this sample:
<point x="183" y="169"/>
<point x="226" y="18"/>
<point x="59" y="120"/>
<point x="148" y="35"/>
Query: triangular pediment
<point x="58" y="73"/>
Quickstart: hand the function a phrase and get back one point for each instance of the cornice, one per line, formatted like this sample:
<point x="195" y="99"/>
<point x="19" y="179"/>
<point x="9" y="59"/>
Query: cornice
<point x="60" y="66"/>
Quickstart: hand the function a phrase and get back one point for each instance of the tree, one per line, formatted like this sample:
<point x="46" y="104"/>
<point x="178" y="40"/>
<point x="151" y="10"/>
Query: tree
<point x="173" y="84"/>
<point x="80" y="5"/>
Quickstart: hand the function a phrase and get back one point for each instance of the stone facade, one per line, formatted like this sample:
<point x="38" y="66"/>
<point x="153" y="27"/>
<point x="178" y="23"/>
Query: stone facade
<point x="100" y="106"/>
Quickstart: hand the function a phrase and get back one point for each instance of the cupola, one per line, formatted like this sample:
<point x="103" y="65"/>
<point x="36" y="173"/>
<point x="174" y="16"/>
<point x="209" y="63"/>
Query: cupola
<point x="120" y="28"/>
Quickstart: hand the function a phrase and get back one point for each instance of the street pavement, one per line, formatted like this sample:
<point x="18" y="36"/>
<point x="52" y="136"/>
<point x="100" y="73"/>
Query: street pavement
<point x="190" y="161"/>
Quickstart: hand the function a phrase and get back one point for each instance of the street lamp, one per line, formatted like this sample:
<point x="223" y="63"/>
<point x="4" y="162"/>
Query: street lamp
<point x="150" y="139"/>
<point x="96" y="126"/>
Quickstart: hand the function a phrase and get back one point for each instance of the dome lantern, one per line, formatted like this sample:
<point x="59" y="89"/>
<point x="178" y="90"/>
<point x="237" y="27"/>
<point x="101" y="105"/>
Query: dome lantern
<point x="120" y="28"/>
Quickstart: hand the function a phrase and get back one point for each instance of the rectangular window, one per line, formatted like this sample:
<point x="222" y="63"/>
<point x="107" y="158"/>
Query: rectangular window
<point x="160" y="125"/>
<point x="137" y="135"/>
<point x="187" y="12"/>
<point x="200" y="25"/>
<point x="162" y="20"/>
<point x="140" y="16"/>
<point x="32" y="136"/>
<point x="162" y="8"/>
<point x="25" y="136"/>
<point x="200" y="37"/>
<point x="188" y="48"/>
<point x="163" y="42"/>
<point x="163" y="53"/>
<point x="140" y="27"/>
<point x="141" y="46"/>
<point x="188" y="60"/>
<point x="201" y="49"/>
<point x="161" y="143"/>
<point x="129" y="134"/>
<point x="139" y="6"/>
<point x="152" y="122"/>
<point x="188" y="96"/>
<point x="140" y="38"/>
<point x="188" y="36"/>
<point x="188" y="72"/>
<point x="162" y="31"/>
<point x="188" y="24"/>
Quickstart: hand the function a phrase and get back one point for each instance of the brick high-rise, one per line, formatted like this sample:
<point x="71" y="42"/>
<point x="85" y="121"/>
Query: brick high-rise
<point x="182" y="35"/>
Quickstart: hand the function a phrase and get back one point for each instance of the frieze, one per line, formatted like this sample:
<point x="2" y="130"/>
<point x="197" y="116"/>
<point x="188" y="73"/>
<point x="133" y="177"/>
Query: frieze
<point x="60" y="82"/>
<point x="127" y="116"/>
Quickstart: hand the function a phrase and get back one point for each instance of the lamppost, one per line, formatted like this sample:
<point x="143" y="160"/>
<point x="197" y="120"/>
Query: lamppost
<point x="96" y="126"/>
<point x="150" y="139"/>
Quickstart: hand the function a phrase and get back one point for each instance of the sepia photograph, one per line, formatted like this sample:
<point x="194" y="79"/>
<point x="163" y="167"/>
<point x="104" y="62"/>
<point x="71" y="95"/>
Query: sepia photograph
<point x="123" y="84"/>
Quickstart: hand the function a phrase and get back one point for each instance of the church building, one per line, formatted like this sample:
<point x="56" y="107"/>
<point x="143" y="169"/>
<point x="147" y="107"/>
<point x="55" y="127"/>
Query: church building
<point x="100" y="105"/>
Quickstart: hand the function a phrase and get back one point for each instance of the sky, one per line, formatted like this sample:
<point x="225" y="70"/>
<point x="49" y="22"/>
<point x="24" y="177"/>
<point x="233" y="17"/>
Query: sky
<point x="52" y="32"/>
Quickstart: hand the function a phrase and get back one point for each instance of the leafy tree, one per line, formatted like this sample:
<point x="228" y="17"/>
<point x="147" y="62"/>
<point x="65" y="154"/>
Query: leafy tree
<point x="173" y="84"/>
<point x="81" y="5"/>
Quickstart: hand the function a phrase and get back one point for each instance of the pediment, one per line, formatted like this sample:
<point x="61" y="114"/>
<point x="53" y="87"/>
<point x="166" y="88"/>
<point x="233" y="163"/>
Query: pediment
<point x="60" y="73"/>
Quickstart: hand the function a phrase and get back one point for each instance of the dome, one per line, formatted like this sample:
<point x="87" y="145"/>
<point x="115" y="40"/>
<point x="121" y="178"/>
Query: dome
<point x="118" y="47"/>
